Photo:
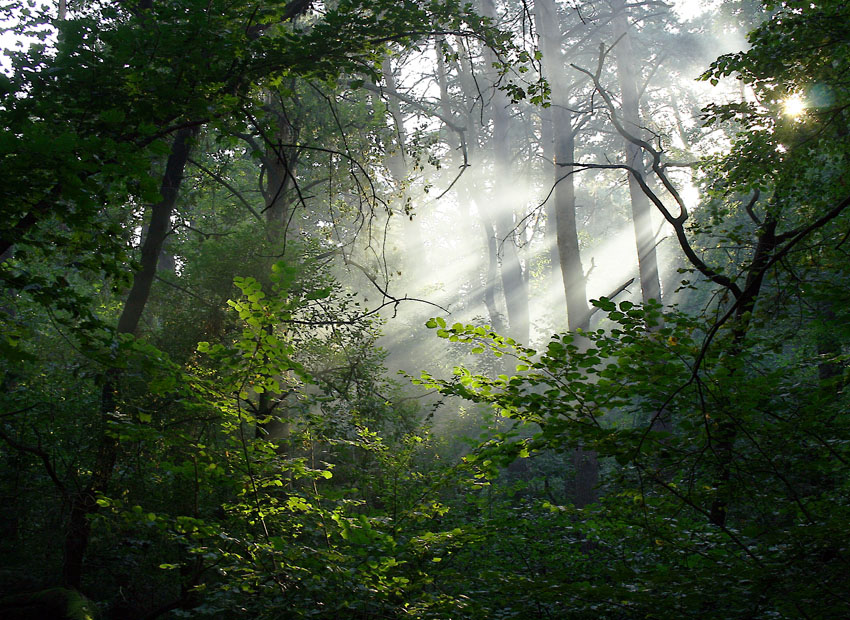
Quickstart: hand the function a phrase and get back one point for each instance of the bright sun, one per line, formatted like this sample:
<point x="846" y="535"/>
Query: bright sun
<point x="794" y="106"/>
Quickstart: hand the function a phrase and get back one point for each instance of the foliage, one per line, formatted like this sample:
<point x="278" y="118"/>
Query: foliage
<point x="240" y="452"/>
<point x="606" y="390"/>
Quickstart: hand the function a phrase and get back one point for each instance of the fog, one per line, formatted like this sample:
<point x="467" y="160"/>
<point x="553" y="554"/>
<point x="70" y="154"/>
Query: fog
<point x="460" y="212"/>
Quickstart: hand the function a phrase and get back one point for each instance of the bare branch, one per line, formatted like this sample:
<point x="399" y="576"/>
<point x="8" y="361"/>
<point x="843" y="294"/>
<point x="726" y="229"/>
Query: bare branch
<point x="384" y="90"/>
<point x="613" y="294"/>
<point x="393" y="300"/>
<point x="643" y="144"/>
<point x="750" y="205"/>
<point x="186" y="291"/>
<point x="676" y="223"/>
<point x="222" y="181"/>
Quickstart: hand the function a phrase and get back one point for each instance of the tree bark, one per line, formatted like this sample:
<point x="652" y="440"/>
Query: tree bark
<point x="627" y="74"/>
<point x="158" y="229"/>
<point x="279" y="163"/>
<point x="554" y="274"/>
<point x="726" y="430"/>
<point x="586" y="467"/>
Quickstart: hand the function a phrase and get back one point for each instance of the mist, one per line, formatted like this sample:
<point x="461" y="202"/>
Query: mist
<point x="467" y="216"/>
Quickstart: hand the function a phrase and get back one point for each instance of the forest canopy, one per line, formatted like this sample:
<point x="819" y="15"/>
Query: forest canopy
<point x="424" y="309"/>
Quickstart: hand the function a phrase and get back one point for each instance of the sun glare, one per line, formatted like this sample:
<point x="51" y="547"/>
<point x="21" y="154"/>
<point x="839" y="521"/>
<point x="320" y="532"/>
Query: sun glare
<point x="794" y="106"/>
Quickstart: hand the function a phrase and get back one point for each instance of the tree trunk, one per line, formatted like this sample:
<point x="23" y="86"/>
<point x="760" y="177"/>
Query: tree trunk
<point x="554" y="276"/>
<point x="584" y="462"/>
<point x="467" y="192"/>
<point x="627" y="74"/>
<point x="514" y="284"/>
<point x="569" y="255"/>
<point x="726" y="429"/>
<point x="650" y="283"/>
<point x="83" y="504"/>
<point x="279" y="162"/>
<point x="416" y="263"/>
<point x="158" y="229"/>
<point x="492" y="285"/>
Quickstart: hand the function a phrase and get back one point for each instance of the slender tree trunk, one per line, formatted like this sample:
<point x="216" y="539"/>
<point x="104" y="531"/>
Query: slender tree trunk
<point x="485" y="281"/>
<point x="650" y="283"/>
<point x="514" y="283"/>
<point x="158" y="229"/>
<point x="396" y="161"/>
<point x="572" y="273"/>
<point x="279" y="164"/>
<point x="680" y="126"/>
<point x="586" y="466"/>
<point x="585" y="462"/>
<point x="627" y="74"/>
<point x="415" y="256"/>
<point x="467" y="189"/>
<point x="554" y="275"/>
<point x="828" y="346"/>
<point x="166" y="260"/>
<point x="492" y="285"/>
<point x="279" y="167"/>
<point x="725" y="430"/>
<point x="83" y="504"/>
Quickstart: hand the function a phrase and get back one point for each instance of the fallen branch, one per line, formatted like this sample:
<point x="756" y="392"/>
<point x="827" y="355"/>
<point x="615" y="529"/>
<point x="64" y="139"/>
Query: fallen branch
<point x="613" y="294"/>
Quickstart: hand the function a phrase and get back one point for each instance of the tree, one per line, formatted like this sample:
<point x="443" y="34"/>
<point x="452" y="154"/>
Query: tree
<point x="565" y="129"/>
<point x="641" y="209"/>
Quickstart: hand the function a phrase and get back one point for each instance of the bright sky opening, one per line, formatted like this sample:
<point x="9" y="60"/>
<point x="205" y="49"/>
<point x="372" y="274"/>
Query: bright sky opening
<point x="794" y="106"/>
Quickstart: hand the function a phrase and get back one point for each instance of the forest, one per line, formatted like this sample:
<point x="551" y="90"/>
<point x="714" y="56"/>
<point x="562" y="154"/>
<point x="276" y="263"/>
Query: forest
<point x="424" y="309"/>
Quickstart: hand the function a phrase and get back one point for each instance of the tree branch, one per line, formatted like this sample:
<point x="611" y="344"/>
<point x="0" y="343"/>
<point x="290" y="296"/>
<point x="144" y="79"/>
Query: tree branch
<point x="41" y="454"/>
<point x="612" y="294"/>
<point x="222" y="181"/>
<point x="381" y="90"/>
